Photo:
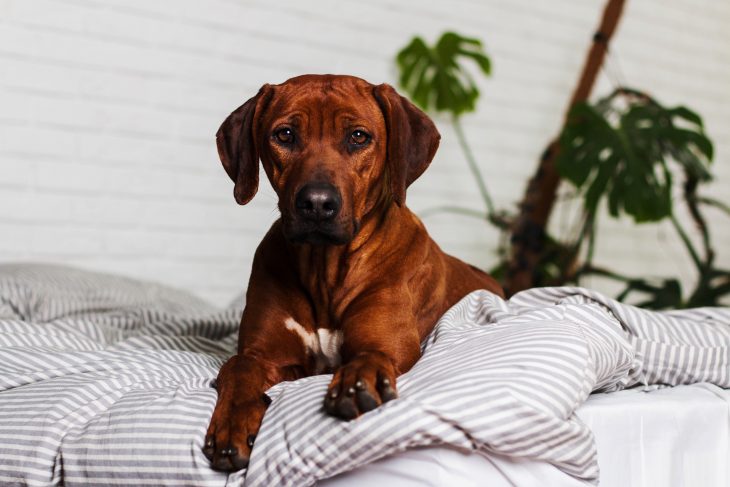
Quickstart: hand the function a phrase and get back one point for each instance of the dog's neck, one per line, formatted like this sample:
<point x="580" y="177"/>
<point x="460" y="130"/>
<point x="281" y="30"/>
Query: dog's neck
<point x="323" y="269"/>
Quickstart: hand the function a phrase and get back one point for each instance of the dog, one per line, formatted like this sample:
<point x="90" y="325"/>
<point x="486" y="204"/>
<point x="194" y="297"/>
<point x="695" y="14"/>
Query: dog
<point x="347" y="280"/>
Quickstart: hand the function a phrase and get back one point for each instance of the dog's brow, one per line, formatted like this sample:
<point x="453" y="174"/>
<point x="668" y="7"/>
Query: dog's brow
<point x="345" y="113"/>
<point x="294" y="118"/>
<point x="302" y="115"/>
<point x="348" y="117"/>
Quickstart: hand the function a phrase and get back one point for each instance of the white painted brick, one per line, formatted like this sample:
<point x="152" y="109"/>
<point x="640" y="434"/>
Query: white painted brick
<point x="64" y="241"/>
<point x="109" y="111"/>
<point x="17" y="174"/>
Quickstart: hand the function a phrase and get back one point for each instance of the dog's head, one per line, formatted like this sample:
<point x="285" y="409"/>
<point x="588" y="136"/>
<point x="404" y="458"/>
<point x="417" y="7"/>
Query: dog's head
<point x="335" y="149"/>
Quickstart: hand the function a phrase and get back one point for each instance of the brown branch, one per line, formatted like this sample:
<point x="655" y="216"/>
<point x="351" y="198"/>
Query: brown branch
<point x="528" y="231"/>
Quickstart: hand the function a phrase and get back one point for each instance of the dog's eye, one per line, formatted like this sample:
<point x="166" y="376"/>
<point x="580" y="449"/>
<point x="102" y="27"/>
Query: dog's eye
<point x="359" y="137"/>
<point x="284" y="135"/>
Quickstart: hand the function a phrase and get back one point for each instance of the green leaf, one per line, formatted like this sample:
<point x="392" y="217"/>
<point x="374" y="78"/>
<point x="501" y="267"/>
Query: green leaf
<point x="687" y="114"/>
<point x="478" y="56"/>
<point x="434" y="77"/>
<point x="698" y="139"/>
<point x="622" y="147"/>
<point x="614" y="198"/>
<point x="599" y="184"/>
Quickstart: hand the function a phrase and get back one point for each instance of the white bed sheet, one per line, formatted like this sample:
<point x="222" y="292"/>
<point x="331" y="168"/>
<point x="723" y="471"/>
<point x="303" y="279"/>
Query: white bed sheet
<point x="671" y="437"/>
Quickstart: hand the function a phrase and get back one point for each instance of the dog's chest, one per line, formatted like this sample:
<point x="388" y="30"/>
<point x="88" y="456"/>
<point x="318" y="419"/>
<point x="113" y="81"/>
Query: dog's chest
<point x="323" y="345"/>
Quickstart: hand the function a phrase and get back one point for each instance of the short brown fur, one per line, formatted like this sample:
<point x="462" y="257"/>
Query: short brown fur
<point x="377" y="277"/>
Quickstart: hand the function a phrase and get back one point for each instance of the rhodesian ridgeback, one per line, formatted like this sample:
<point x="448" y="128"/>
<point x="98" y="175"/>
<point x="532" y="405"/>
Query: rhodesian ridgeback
<point x="347" y="281"/>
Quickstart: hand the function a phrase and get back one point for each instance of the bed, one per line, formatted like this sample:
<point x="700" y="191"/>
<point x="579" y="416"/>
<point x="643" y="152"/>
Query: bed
<point x="106" y="380"/>
<point x="668" y="437"/>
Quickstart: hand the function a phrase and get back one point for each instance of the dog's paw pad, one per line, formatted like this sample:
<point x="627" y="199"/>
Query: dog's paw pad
<point x="360" y="386"/>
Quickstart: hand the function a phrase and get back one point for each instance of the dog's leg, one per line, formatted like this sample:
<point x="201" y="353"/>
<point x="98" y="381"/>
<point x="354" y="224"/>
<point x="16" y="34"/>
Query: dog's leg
<point x="268" y="352"/>
<point x="238" y="412"/>
<point x="380" y="342"/>
<point x="276" y="355"/>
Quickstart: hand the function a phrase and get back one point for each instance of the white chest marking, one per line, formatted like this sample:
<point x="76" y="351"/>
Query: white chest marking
<point x="324" y="345"/>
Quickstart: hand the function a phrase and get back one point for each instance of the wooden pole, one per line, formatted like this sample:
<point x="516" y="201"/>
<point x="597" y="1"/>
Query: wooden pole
<point x="529" y="228"/>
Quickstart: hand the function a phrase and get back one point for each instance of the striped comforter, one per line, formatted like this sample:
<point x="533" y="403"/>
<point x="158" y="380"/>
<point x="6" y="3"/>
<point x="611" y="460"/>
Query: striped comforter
<point x="106" y="381"/>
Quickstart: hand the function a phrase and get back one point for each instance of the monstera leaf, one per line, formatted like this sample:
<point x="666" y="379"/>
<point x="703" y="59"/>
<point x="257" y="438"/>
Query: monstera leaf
<point x="433" y="77"/>
<point x="621" y="148"/>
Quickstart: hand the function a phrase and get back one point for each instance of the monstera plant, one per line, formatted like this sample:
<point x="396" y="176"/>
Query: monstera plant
<point x="622" y="147"/>
<point x="435" y="79"/>
<point x="626" y="149"/>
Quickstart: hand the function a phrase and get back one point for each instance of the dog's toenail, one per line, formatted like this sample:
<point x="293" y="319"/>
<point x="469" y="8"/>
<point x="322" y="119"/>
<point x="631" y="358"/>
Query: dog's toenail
<point x="386" y="382"/>
<point x="350" y="391"/>
<point x="333" y="394"/>
<point x="250" y="440"/>
<point x="359" y="385"/>
<point x="209" y="443"/>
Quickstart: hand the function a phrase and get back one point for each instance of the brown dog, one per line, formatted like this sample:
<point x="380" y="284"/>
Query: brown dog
<point x="347" y="280"/>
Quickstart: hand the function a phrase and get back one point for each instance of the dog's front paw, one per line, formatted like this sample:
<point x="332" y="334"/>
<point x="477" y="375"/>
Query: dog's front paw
<point x="235" y="422"/>
<point x="361" y="385"/>
<point x="230" y="438"/>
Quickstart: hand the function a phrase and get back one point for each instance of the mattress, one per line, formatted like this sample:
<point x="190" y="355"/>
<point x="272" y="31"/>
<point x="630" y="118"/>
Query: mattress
<point x="668" y="437"/>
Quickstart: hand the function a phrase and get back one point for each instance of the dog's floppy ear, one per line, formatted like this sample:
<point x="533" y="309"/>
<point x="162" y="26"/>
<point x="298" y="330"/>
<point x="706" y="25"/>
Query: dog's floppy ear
<point x="412" y="140"/>
<point x="237" y="145"/>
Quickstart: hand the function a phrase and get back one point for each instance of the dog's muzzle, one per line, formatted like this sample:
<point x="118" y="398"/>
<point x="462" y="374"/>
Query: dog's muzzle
<point x="318" y="202"/>
<point x="316" y="208"/>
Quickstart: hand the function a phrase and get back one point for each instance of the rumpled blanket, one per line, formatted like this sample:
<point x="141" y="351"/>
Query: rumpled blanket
<point x="107" y="381"/>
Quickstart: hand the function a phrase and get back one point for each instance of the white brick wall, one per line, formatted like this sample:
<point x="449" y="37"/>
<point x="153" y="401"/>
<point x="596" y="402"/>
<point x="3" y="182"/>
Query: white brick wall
<point x="108" y="110"/>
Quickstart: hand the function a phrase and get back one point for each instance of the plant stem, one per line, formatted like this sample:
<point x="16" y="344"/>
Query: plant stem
<point x="687" y="243"/>
<point x="599" y="271"/>
<point x="716" y="203"/>
<point x="572" y="270"/>
<point x="471" y="161"/>
<point x="591" y="239"/>
<point x="690" y="198"/>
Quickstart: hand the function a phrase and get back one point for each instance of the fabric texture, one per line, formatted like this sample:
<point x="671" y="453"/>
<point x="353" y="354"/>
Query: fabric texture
<point x="106" y="381"/>
<point x="666" y="437"/>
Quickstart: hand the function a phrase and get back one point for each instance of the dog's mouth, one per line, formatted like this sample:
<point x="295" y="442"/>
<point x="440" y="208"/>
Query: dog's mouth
<point x="319" y="238"/>
<point x="319" y="234"/>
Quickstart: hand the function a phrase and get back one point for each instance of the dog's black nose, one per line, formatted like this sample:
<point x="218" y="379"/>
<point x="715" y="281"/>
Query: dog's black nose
<point x="318" y="202"/>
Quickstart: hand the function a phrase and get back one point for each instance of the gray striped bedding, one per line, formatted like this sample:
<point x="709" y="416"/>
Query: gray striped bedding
<point x="106" y="381"/>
